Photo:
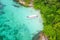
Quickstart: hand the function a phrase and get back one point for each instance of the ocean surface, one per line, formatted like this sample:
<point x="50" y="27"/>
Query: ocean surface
<point x="14" y="23"/>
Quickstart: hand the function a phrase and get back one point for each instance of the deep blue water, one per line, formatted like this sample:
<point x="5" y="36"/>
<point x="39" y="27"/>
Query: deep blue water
<point x="14" y="23"/>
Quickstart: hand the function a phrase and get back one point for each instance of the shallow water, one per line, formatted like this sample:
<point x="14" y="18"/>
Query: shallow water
<point x="13" y="19"/>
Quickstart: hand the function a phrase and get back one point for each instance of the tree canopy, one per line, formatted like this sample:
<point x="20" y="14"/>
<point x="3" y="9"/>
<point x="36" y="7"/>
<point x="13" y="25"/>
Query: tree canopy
<point x="50" y="11"/>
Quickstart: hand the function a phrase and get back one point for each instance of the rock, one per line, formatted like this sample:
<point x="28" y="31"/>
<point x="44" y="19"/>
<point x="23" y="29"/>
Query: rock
<point x="40" y="36"/>
<point x="24" y="3"/>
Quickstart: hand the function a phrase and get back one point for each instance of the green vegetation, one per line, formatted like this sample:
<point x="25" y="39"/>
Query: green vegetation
<point x="27" y="1"/>
<point x="50" y="11"/>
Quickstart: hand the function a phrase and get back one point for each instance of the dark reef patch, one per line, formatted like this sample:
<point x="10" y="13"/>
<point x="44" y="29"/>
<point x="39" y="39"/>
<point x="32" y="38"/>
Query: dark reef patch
<point x="1" y="37"/>
<point x="1" y="6"/>
<point x="1" y="13"/>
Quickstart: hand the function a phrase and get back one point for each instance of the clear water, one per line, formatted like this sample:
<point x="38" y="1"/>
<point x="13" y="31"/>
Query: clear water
<point x="14" y="24"/>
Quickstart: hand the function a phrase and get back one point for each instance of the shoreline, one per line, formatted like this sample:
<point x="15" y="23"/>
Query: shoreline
<point x="22" y="2"/>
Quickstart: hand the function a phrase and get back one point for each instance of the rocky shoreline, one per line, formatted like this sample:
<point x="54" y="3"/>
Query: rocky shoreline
<point x="40" y="36"/>
<point x="24" y="3"/>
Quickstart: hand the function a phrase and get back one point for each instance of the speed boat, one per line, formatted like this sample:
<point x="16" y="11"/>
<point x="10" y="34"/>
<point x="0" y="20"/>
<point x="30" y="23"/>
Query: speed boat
<point x="32" y="16"/>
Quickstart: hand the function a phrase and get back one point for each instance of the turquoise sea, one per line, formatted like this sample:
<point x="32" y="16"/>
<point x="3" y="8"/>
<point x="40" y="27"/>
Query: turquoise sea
<point x="14" y="23"/>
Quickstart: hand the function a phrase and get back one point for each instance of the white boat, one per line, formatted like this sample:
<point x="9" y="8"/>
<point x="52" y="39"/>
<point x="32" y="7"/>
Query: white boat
<point x="32" y="16"/>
